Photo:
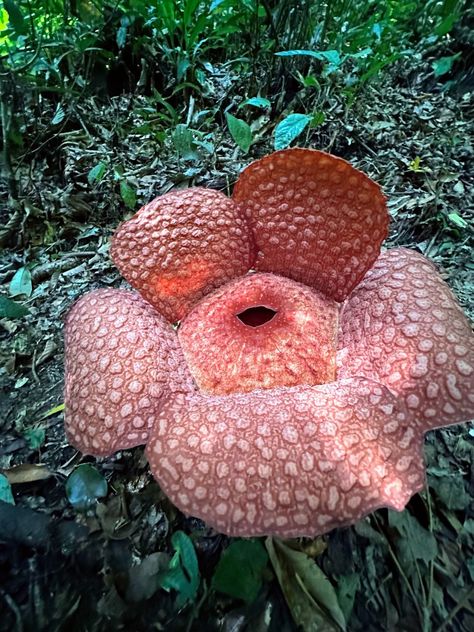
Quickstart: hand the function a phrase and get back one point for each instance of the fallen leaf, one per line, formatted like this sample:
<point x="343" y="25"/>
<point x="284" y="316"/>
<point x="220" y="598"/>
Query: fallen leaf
<point x="27" y="473"/>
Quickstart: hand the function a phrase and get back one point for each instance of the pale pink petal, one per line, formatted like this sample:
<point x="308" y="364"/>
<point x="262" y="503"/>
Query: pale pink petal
<point x="122" y="360"/>
<point x="404" y="328"/>
<point x="314" y="217"/>
<point x="289" y="462"/>
<point x="181" y="246"/>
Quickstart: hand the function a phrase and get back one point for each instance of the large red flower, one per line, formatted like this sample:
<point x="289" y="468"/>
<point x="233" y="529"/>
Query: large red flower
<point x="307" y="366"/>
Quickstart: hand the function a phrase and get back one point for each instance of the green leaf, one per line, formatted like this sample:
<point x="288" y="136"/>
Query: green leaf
<point x="458" y="220"/>
<point x="331" y="56"/>
<point x="416" y="542"/>
<point x="35" y="437"/>
<point x="362" y="54"/>
<point x="308" y="592"/>
<point x="16" y="18"/>
<point x="58" y="115"/>
<point x="446" y="25"/>
<point x="347" y="586"/>
<point x="11" y="309"/>
<point x="96" y="173"/>
<point x="240" y="570"/>
<point x="52" y="411"/>
<point x="183" y="139"/>
<point x="21" y="284"/>
<point x="183" y="571"/>
<point x="443" y="65"/>
<point x="289" y="128"/>
<point x="258" y="102"/>
<point x="121" y="36"/>
<point x="6" y="490"/>
<point x="182" y="67"/>
<point x="84" y="486"/>
<point x="128" y="194"/>
<point x="240" y="132"/>
<point x="451" y="492"/>
<point x="318" y="119"/>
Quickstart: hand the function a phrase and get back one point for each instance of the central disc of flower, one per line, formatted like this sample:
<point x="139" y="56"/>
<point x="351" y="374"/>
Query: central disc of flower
<point x="261" y="331"/>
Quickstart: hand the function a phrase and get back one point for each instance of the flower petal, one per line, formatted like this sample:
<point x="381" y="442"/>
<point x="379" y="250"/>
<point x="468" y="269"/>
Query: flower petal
<point x="314" y="218"/>
<point x="181" y="246"/>
<point x="122" y="358"/>
<point x="294" y="342"/>
<point x="288" y="462"/>
<point x="404" y="328"/>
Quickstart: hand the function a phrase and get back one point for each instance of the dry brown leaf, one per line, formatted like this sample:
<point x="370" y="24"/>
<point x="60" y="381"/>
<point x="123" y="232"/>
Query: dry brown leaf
<point x="26" y="473"/>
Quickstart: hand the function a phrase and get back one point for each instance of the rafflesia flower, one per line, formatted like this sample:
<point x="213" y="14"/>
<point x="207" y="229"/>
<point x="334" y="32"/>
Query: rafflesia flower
<point x="307" y="367"/>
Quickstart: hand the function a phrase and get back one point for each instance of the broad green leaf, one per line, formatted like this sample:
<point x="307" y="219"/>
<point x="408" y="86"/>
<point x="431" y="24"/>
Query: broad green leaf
<point x="446" y="25"/>
<point x="258" y="102"/>
<point x="85" y="486"/>
<point x="310" y="595"/>
<point x="6" y="490"/>
<point x="240" y="132"/>
<point x="21" y="284"/>
<point x="183" y="571"/>
<point x="11" y="309"/>
<point x="189" y="13"/>
<point x="443" y="65"/>
<point x="289" y="128"/>
<point x="415" y="542"/>
<point x="458" y="220"/>
<point x="240" y="570"/>
<point x="128" y="194"/>
<point x="16" y="18"/>
<point x="96" y="173"/>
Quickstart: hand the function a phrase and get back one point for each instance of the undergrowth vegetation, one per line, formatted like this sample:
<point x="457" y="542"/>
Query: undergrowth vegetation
<point x="106" y="104"/>
<point x="284" y="58"/>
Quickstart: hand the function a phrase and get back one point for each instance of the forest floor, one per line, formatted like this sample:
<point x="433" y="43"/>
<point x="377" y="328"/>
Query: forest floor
<point x="65" y="569"/>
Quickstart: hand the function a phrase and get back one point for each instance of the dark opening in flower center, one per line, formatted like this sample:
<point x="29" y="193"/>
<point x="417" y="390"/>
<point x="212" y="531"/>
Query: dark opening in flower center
<point x="256" y="316"/>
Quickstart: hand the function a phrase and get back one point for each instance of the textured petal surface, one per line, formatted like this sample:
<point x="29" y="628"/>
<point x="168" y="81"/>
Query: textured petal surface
<point x="122" y="359"/>
<point x="297" y="346"/>
<point x="289" y="462"/>
<point x="181" y="246"/>
<point x="314" y="217"/>
<point x="403" y="327"/>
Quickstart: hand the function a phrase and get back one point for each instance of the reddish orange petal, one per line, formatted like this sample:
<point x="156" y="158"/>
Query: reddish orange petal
<point x="181" y="246"/>
<point x="403" y="327"/>
<point x="289" y="462"/>
<point x="314" y="218"/>
<point x="261" y="331"/>
<point x="122" y="359"/>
